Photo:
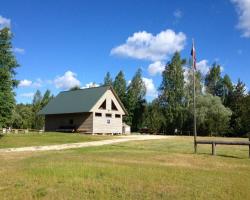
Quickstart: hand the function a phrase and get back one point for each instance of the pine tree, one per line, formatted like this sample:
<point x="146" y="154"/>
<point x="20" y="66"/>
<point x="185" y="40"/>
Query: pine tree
<point x="107" y="79"/>
<point x="46" y="98"/>
<point x="245" y="115"/>
<point x="227" y="90"/>
<point x="153" y="117"/>
<point x="135" y="101"/>
<point x="214" y="82"/>
<point x="36" y="106"/>
<point x="74" y="88"/>
<point x="39" y="101"/>
<point x="172" y="94"/>
<point x="119" y="86"/>
<point x="235" y="104"/>
<point x="199" y="85"/>
<point x="8" y="64"/>
<point x="189" y="85"/>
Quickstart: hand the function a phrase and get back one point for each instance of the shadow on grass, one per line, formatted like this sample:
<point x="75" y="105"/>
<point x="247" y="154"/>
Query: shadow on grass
<point x="1" y="136"/>
<point x="222" y="155"/>
<point x="231" y="156"/>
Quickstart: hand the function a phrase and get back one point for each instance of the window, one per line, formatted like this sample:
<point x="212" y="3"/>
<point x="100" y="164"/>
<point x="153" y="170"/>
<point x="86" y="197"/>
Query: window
<point x="98" y="114"/>
<point x="108" y="121"/>
<point x="113" y="106"/>
<point x="71" y="121"/>
<point x="117" y="116"/>
<point x="103" y="106"/>
<point x="108" y="115"/>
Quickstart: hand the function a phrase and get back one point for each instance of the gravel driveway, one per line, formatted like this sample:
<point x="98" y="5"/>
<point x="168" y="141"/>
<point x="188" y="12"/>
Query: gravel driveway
<point x="84" y="144"/>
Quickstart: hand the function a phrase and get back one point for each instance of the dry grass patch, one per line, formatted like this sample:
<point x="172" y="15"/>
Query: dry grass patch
<point x="48" y="138"/>
<point x="157" y="169"/>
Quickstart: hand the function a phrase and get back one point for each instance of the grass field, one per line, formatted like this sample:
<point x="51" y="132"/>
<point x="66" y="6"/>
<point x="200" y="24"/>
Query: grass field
<point x="156" y="169"/>
<point x="37" y="139"/>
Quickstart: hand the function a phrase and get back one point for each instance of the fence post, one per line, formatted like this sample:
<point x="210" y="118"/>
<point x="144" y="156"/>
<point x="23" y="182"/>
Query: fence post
<point x="249" y="145"/>
<point x="213" y="148"/>
<point x="195" y="146"/>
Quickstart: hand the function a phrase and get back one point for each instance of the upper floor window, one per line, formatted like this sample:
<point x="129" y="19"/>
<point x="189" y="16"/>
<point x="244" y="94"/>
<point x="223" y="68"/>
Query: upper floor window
<point x="113" y="106"/>
<point x="108" y="115"/>
<point x="103" y="106"/>
<point x="98" y="114"/>
<point x="117" y="116"/>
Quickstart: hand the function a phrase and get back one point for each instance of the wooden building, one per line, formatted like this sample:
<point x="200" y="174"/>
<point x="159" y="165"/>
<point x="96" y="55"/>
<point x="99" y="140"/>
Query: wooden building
<point x="91" y="110"/>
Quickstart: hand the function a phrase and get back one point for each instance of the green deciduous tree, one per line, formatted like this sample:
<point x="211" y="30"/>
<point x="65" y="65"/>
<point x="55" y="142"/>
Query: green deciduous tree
<point x="22" y="116"/>
<point x="8" y="64"/>
<point x="212" y="116"/>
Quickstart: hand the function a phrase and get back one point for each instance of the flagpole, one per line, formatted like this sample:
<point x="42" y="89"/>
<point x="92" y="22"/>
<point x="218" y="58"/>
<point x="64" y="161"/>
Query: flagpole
<point x="194" y="103"/>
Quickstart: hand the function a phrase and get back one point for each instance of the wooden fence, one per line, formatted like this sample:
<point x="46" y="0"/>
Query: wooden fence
<point x="18" y="131"/>
<point x="214" y="143"/>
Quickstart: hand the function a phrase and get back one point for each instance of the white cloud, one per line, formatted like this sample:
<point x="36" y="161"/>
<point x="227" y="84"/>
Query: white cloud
<point x="243" y="9"/>
<point x="4" y="22"/>
<point x="144" y="45"/>
<point x="156" y="68"/>
<point x="90" y="85"/>
<point x="67" y="81"/>
<point x="177" y="14"/>
<point x="25" y="83"/>
<point x="151" y="90"/>
<point x="29" y="83"/>
<point x="203" y="66"/>
<point x="27" y="95"/>
<point x="19" y="50"/>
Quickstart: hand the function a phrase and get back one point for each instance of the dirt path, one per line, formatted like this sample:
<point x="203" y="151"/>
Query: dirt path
<point x="84" y="144"/>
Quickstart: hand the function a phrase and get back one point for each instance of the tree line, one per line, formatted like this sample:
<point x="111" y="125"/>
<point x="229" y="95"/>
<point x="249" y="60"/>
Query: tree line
<point x="25" y="116"/>
<point x="223" y="108"/>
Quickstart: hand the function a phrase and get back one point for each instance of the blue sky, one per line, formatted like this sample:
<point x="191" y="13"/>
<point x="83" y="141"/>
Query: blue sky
<point x="66" y="43"/>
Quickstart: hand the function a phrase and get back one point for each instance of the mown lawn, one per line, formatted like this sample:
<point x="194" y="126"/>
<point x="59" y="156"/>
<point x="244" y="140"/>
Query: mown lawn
<point x="156" y="169"/>
<point x="48" y="138"/>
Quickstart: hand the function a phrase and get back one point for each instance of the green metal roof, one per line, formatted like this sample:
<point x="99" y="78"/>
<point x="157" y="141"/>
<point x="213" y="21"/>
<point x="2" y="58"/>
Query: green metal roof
<point x="75" y="101"/>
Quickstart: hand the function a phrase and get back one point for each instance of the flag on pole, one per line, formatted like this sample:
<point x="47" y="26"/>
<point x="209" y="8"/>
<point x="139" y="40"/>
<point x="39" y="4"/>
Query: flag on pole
<point x="193" y="54"/>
